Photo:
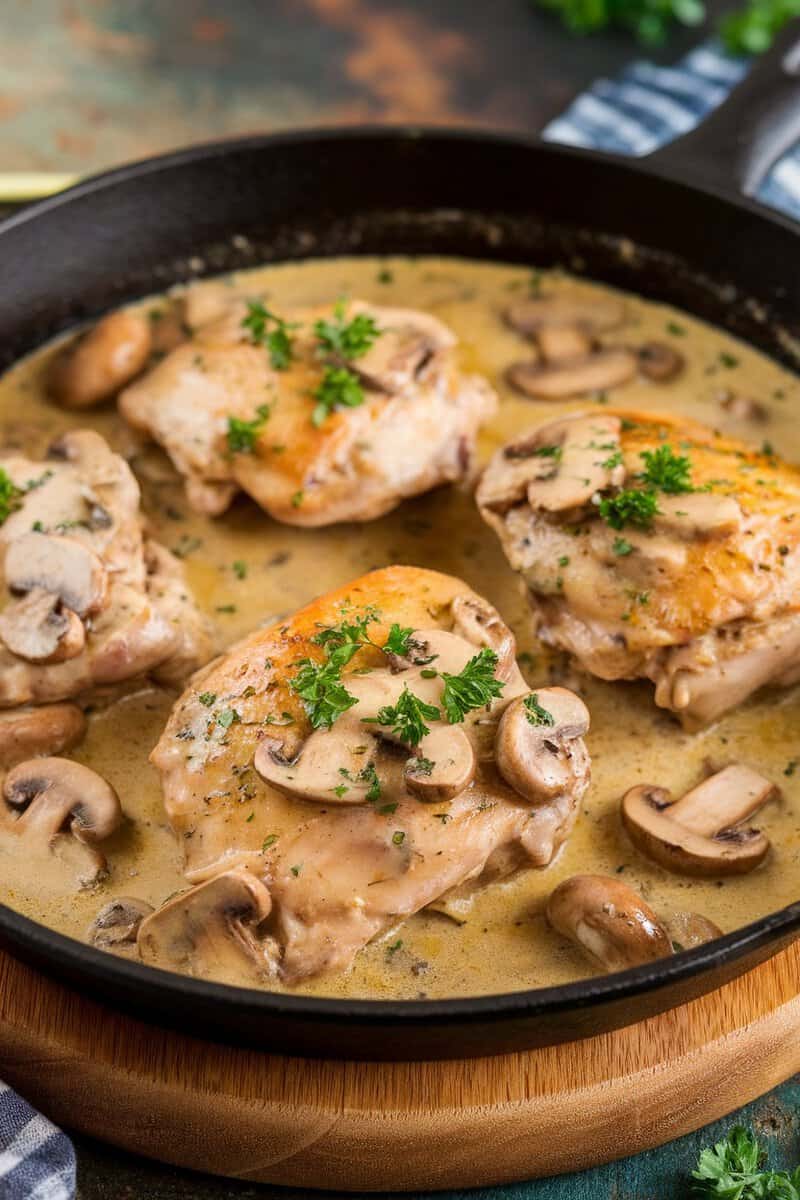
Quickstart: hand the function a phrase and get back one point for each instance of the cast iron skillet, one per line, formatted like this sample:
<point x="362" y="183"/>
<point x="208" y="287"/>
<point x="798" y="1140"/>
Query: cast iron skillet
<point x="636" y="224"/>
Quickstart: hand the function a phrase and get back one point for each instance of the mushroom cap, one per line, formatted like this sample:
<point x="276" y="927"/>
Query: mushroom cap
<point x="39" y="629"/>
<point x="444" y="767"/>
<point x="608" y="921"/>
<point x="62" y="566"/>
<point x="48" y="729"/>
<point x="102" y="361"/>
<point x="542" y="761"/>
<point x="209" y="928"/>
<point x="702" y="833"/>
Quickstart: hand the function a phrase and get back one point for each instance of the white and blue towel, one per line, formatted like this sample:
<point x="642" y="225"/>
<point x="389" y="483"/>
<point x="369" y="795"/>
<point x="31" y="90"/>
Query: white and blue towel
<point x="648" y="106"/>
<point x="37" y="1161"/>
<point x="643" y="109"/>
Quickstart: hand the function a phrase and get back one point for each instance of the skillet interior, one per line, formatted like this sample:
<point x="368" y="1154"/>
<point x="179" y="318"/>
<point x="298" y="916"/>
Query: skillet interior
<point x="138" y="230"/>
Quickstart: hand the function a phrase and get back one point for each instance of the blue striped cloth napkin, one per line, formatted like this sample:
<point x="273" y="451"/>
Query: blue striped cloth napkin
<point x="37" y="1161"/>
<point x="646" y="107"/>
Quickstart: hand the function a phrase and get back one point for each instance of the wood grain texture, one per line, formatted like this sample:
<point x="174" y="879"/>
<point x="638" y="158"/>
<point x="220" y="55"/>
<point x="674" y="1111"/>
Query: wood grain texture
<point x="397" y="1126"/>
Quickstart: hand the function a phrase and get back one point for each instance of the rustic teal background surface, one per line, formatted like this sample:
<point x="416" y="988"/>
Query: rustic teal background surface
<point x="87" y="84"/>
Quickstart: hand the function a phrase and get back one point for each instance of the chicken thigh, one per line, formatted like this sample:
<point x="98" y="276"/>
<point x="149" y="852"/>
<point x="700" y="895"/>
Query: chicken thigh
<point x="653" y="547"/>
<point x="324" y="415"/>
<point x="375" y="754"/>
<point x="91" y="601"/>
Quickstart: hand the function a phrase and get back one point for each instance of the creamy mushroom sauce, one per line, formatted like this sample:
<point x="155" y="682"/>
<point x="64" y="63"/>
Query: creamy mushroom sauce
<point x="505" y="944"/>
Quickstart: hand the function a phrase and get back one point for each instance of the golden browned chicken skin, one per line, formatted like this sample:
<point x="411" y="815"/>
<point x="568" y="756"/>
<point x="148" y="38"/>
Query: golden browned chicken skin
<point x="407" y="420"/>
<point x="305" y="843"/>
<point x="653" y="547"/>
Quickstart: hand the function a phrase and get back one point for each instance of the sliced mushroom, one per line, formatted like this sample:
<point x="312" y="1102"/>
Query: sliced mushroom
<point x="481" y="624"/>
<point x="116" y="926"/>
<point x="39" y="629"/>
<point x="47" y="794"/>
<point x="660" y="362"/>
<point x="539" y="746"/>
<point x="209" y="929"/>
<point x="444" y="767"/>
<point x="336" y="765"/>
<point x="62" y="566"/>
<point x="46" y="730"/>
<point x="608" y="921"/>
<point x="100" y="363"/>
<point x="699" y="515"/>
<point x="590" y="315"/>
<point x="575" y="376"/>
<point x="407" y="343"/>
<point x="689" y="929"/>
<point x="557" y="467"/>
<point x="703" y="832"/>
<point x="560" y="343"/>
<point x="743" y="408"/>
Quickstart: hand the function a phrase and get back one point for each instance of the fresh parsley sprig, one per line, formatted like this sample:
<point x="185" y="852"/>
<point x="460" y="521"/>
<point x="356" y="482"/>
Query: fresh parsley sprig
<point x="629" y="507"/>
<point x="474" y="687"/>
<point x="733" y="1170"/>
<point x="666" y="471"/>
<point x="346" y="339"/>
<point x="319" y="685"/>
<point x="242" y="435"/>
<point x="339" y="388"/>
<point x="271" y="331"/>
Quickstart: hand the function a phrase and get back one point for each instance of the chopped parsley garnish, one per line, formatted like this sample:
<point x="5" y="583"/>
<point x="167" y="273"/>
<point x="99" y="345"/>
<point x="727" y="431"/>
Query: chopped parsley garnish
<point x="395" y="946"/>
<point x="298" y="498"/>
<point x="422" y="766"/>
<point x="369" y="775"/>
<point x="535" y="713"/>
<point x="207" y="698"/>
<point x="242" y="435"/>
<point x="346" y="339"/>
<point x="728" y="360"/>
<point x="613" y="460"/>
<point x="271" y="331"/>
<point x="228" y="717"/>
<point x="675" y="329"/>
<point x="407" y="717"/>
<point x="474" y="687"/>
<point x="563" y="560"/>
<point x="9" y="496"/>
<point x="296" y="869"/>
<point x="621" y="546"/>
<point x="667" y="471"/>
<point x="339" y="388"/>
<point x="398" y="837"/>
<point x="342" y="641"/>
<point x="629" y="507"/>
<point x="239" y="568"/>
<point x="554" y="452"/>
<point x="269" y="840"/>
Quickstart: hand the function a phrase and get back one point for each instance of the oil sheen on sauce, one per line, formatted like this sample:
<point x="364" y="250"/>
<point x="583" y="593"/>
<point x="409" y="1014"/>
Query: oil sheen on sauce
<point x="505" y="944"/>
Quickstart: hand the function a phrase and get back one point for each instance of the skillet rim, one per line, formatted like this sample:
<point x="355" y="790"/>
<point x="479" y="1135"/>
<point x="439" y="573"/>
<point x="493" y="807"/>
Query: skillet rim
<point x="57" y="949"/>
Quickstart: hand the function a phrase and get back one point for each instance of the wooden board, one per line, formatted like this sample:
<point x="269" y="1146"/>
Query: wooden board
<point x="362" y="1126"/>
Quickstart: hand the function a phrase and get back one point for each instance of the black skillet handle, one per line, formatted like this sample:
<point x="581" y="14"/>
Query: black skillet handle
<point x="740" y="141"/>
